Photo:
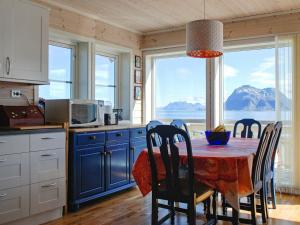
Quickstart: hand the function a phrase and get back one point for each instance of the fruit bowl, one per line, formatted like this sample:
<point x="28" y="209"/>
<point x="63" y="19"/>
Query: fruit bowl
<point x="217" y="138"/>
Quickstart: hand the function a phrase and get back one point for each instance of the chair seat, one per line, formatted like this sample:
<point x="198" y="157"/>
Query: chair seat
<point x="202" y="191"/>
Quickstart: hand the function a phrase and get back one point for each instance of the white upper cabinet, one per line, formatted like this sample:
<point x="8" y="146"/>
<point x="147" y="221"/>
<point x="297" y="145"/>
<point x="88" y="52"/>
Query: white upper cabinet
<point x="25" y="41"/>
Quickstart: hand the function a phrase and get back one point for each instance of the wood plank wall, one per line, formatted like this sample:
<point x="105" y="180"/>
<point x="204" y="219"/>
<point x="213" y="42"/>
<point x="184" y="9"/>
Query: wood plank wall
<point x="5" y="93"/>
<point x="244" y="29"/>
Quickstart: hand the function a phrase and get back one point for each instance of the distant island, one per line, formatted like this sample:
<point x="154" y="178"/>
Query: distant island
<point x="244" y="98"/>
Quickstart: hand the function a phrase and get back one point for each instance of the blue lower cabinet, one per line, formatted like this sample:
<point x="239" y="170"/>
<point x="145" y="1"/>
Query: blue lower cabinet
<point x="136" y="146"/>
<point x="100" y="163"/>
<point x="117" y="165"/>
<point x="90" y="171"/>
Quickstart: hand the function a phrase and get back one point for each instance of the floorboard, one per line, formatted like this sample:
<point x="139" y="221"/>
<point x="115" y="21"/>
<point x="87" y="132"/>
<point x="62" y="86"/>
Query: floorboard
<point x="129" y="207"/>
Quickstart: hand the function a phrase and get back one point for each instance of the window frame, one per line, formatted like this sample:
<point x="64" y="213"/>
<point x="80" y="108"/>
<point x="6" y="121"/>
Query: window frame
<point x="116" y="78"/>
<point x="170" y="54"/>
<point x="269" y="43"/>
<point x="73" y="65"/>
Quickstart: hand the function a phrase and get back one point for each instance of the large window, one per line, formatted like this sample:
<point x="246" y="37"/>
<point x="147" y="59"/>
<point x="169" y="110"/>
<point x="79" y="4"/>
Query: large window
<point x="249" y="84"/>
<point x="61" y="72"/>
<point x="105" y="78"/>
<point x="179" y="88"/>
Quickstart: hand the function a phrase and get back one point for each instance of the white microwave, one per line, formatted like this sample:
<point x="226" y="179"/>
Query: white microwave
<point x="77" y="112"/>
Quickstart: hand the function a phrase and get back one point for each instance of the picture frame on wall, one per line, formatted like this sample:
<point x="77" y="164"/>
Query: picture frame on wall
<point x="137" y="93"/>
<point x="137" y="76"/>
<point x="138" y="61"/>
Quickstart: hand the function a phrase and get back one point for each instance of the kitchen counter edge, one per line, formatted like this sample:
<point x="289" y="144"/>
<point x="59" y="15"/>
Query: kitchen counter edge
<point x="105" y="128"/>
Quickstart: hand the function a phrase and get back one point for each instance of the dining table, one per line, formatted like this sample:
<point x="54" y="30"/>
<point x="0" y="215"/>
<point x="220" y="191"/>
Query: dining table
<point x="225" y="168"/>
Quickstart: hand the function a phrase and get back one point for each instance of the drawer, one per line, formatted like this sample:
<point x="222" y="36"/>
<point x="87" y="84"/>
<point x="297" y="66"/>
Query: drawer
<point x="14" y="144"/>
<point x="46" y="165"/>
<point x="117" y="136"/>
<point x="47" y="195"/>
<point x="14" y="204"/>
<point x="91" y="138"/>
<point x="47" y="141"/>
<point x="14" y="170"/>
<point x="138" y="132"/>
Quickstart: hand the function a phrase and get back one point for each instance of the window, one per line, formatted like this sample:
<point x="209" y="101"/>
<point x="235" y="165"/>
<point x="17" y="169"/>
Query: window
<point x="179" y="88"/>
<point x="249" y="84"/>
<point x="105" y="78"/>
<point x="61" y="72"/>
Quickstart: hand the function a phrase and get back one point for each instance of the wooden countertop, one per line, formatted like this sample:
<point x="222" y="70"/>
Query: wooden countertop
<point x="106" y="128"/>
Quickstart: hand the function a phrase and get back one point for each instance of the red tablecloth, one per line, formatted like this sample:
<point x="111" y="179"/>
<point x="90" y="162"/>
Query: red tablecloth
<point x="225" y="168"/>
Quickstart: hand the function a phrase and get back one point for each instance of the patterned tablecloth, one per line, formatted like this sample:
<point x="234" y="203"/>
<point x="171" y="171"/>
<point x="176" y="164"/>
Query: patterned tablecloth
<point x="225" y="168"/>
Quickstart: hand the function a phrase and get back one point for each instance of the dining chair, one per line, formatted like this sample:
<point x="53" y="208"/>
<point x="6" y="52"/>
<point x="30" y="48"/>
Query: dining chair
<point x="258" y="174"/>
<point x="181" y="125"/>
<point x="149" y="126"/>
<point x="270" y="164"/>
<point x="177" y="186"/>
<point x="247" y="125"/>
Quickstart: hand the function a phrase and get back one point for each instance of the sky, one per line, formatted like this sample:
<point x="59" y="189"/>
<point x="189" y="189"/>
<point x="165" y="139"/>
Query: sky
<point x="183" y="78"/>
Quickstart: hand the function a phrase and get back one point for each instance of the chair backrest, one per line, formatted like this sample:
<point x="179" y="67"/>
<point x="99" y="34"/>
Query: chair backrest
<point x="247" y="124"/>
<point x="153" y="124"/>
<point x="260" y="156"/>
<point x="277" y="135"/>
<point x="169" y="154"/>
<point x="181" y="125"/>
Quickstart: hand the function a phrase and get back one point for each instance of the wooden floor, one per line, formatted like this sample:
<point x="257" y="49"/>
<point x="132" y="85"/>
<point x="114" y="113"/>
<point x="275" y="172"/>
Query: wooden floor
<point x="131" y="208"/>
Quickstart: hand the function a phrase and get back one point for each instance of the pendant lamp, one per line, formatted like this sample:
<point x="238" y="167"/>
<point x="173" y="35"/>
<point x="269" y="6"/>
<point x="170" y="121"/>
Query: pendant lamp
<point x="204" y="38"/>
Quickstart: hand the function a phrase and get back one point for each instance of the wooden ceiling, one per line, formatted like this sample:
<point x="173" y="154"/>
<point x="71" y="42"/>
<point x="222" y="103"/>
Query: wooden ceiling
<point x="146" y="16"/>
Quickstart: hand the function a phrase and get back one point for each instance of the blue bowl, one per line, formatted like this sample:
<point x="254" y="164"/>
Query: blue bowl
<point x="217" y="138"/>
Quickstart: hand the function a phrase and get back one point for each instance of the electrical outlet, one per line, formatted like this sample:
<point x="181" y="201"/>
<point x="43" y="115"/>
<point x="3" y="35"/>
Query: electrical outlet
<point x="15" y="93"/>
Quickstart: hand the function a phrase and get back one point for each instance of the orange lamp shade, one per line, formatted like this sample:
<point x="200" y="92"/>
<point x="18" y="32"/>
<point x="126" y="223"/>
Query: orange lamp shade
<point x="204" y="39"/>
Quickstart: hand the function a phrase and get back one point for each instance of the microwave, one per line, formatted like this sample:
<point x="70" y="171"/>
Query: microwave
<point x="77" y="112"/>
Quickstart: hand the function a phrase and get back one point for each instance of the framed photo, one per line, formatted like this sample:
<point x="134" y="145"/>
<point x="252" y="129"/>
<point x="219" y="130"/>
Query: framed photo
<point x="138" y="61"/>
<point x="137" y="76"/>
<point x="137" y="93"/>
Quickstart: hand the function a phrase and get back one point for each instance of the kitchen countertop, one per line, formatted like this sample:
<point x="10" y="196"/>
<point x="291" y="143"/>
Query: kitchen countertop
<point x="106" y="128"/>
<point x="33" y="131"/>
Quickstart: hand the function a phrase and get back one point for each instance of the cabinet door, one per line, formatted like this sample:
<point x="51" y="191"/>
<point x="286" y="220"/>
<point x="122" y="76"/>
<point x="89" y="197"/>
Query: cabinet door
<point x="28" y="42"/>
<point x="90" y="171"/>
<point x="135" y="149"/>
<point x="117" y="165"/>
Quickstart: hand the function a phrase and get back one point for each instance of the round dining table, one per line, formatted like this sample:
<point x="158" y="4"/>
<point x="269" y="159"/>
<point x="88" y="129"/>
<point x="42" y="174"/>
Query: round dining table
<point x="225" y="168"/>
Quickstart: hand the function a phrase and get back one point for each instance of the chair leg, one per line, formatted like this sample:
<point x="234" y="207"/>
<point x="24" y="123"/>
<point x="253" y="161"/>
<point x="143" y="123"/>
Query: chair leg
<point x="154" y="217"/>
<point x="192" y="213"/>
<point x="224" y="208"/>
<point x="172" y="211"/>
<point x="273" y="193"/>
<point x="235" y="216"/>
<point x="263" y="204"/>
<point x="215" y="207"/>
<point x="253" y="208"/>
<point x="207" y="211"/>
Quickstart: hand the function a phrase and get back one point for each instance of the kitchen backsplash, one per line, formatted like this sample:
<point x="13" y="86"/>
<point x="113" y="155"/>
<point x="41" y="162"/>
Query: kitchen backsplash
<point x="5" y="93"/>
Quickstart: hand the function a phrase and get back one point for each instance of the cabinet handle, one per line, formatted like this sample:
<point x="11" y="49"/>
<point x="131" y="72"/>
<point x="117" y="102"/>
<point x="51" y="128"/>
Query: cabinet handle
<point x="2" y="142"/>
<point x="49" y="185"/>
<point x="3" y="195"/>
<point x="3" y="160"/>
<point x="47" y="138"/>
<point x="7" y="65"/>
<point x="103" y="153"/>
<point x="119" y="134"/>
<point x="109" y="152"/>
<point x="48" y="154"/>
<point x="132" y="149"/>
<point x="140" y="132"/>
<point x="93" y="138"/>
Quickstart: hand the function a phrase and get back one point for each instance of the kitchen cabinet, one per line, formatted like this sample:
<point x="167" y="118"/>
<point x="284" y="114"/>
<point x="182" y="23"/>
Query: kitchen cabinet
<point x="32" y="177"/>
<point x="117" y="165"/>
<point x="24" y="42"/>
<point x="100" y="163"/>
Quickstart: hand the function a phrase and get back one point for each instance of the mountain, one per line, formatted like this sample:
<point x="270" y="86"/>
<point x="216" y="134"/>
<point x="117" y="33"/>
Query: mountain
<point x="254" y="99"/>
<point x="184" y="106"/>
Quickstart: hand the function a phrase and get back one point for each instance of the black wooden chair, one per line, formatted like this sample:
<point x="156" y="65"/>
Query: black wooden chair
<point x="152" y="124"/>
<point x="177" y="186"/>
<point x="247" y="125"/>
<point x="181" y="125"/>
<point x="270" y="163"/>
<point x="258" y="174"/>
